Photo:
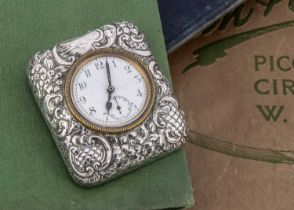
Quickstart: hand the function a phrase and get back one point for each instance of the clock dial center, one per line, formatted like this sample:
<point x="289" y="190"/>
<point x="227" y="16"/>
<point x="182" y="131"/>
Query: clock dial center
<point x="110" y="90"/>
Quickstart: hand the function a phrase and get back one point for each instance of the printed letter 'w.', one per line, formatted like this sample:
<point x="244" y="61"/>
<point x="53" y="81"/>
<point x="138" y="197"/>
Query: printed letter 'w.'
<point x="270" y="112"/>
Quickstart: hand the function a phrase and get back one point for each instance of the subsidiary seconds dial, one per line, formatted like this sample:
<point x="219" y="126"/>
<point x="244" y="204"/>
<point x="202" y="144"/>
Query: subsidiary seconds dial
<point x="109" y="91"/>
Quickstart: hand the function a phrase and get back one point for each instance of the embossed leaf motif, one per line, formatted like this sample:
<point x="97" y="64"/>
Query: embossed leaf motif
<point x="88" y="158"/>
<point x="48" y="63"/>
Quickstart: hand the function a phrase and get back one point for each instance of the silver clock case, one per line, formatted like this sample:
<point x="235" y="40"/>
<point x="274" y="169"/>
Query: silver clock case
<point x="93" y="158"/>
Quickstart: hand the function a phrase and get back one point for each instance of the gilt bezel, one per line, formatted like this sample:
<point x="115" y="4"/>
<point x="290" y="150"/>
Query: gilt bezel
<point x="136" y="62"/>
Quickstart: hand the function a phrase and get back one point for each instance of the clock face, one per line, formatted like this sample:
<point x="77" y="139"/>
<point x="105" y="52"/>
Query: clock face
<point x="109" y="91"/>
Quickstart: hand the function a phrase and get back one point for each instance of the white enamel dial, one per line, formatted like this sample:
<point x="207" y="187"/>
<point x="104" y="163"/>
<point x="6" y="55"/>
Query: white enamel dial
<point x="110" y="91"/>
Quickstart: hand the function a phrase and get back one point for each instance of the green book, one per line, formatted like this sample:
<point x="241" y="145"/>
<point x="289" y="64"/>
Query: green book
<point x="33" y="175"/>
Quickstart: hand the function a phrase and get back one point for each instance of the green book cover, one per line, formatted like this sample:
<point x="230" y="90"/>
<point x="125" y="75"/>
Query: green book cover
<point x="33" y="175"/>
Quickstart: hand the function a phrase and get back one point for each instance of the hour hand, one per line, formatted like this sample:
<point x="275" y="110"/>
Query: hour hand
<point x="108" y="106"/>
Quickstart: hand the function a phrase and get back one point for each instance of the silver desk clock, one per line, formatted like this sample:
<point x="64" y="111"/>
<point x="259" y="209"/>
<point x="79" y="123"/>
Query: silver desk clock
<point x="106" y="103"/>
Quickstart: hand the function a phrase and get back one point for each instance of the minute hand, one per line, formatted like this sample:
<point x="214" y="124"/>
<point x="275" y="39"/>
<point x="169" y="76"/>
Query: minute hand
<point x="110" y="88"/>
<point x="108" y="74"/>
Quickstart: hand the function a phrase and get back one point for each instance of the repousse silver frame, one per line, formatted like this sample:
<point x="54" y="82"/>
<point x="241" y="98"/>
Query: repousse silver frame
<point x="92" y="157"/>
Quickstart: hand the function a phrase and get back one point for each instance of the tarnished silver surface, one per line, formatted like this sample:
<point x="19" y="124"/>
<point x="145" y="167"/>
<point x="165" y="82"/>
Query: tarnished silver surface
<point x="93" y="158"/>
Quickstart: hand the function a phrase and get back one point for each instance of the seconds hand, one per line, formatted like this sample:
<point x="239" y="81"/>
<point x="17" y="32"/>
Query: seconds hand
<point x="118" y="106"/>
